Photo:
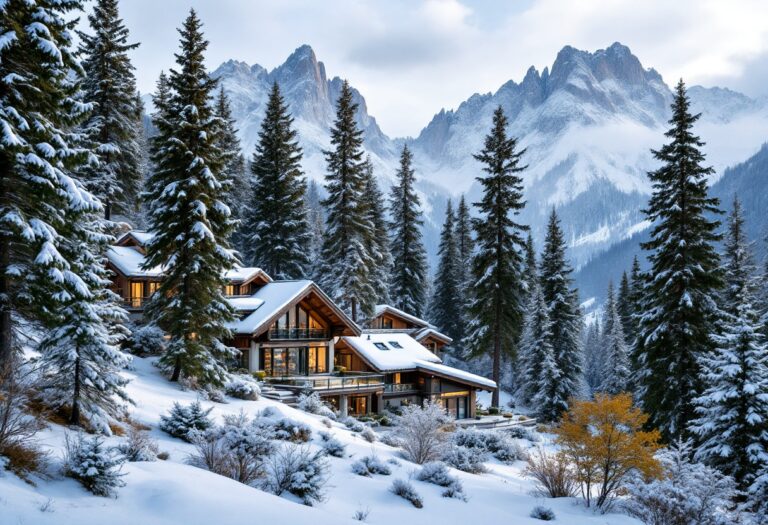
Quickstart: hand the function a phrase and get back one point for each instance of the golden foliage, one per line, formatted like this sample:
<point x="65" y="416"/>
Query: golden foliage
<point x="604" y="441"/>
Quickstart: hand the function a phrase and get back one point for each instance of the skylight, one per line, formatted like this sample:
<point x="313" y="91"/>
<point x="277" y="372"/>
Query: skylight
<point x="395" y="344"/>
<point x="381" y="346"/>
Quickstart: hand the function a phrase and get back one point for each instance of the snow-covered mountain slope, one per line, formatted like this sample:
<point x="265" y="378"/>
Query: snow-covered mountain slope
<point x="588" y="122"/>
<point x="171" y="492"/>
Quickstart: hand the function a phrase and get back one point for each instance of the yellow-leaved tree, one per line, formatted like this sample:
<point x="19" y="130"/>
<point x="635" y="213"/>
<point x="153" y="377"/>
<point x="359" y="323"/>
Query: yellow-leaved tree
<point x="605" y="443"/>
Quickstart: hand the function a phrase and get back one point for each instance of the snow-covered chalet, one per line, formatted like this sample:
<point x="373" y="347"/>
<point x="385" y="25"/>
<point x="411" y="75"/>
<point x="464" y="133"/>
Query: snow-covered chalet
<point x="299" y="339"/>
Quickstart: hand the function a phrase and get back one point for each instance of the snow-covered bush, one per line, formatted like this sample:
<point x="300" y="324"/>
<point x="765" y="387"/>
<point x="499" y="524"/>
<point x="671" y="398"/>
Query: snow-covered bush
<point x="312" y="404"/>
<point x="437" y="473"/>
<point x="214" y="394"/>
<point x="391" y="439"/>
<point x="139" y="446"/>
<point x="181" y="420"/>
<point x="369" y="465"/>
<point x="553" y="475"/>
<point x="420" y="429"/>
<point x="526" y="433"/>
<point x="405" y="490"/>
<point x="688" y="493"/>
<point x="294" y="469"/>
<point x="288" y="429"/>
<point x="240" y="388"/>
<point x="353" y="424"/>
<point x="495" y="443"/>
<point x="146" y="340"/>
<point x="758" y="498"/>
<point x="96" y="467"/>
<point x="236" y="449"/>
<point x="470" y="460"/>
<point x="543" y="513"/>
<point x="368" y="434"/>
<point x="331" y="446"/>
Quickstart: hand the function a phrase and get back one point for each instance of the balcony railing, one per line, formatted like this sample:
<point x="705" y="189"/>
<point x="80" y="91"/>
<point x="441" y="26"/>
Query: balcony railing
<point x="298" y="333"/>
<point x="135" y="303"/>
<point x="348" y="381"/>
<point x="400" y="387"/>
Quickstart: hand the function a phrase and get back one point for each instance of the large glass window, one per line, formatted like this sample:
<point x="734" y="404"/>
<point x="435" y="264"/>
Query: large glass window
<point x="137" y="293"/>
<point x="317" y="360"/>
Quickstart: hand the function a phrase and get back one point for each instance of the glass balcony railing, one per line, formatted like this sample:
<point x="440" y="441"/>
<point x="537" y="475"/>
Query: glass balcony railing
<point x="298" y="333"/>
<point x="400" y="387"/>
<point x="348" y="381"/>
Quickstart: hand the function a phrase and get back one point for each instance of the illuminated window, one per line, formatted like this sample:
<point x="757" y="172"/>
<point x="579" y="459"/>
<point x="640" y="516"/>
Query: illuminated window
<point x="137" y="293"/>
<point x="229" y="290"/>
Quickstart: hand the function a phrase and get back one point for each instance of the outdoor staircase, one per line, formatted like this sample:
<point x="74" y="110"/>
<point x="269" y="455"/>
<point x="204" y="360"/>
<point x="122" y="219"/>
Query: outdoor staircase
<point x="278" y="394"/>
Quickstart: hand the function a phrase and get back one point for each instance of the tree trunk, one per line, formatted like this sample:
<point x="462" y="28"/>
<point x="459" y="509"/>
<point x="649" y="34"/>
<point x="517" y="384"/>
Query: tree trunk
<point x="74" y="418"/>
<point x="108" y="210"/>
<point x="6" y="326"/>
<point x="176" y="370"/>
<point x="354" y="309"/>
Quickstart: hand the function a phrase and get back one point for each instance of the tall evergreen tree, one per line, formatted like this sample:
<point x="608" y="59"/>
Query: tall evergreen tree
<point x="190" y="220"/>
<point x="275" y="226"/>
<point x="680" y="311"/>
<point x="465" y="244"/>
<point x="378" y="240"/>
<point x="446" y="302"/>
<point x="535" y="348"/>
<point x="732" y="412"/>
<point x="636" y="287"/>
<point x="81" y="359"/>
<point x="316" y="222"/>
<point x="113" y="128"/>
<point x="616" y="367"/>
<point x="563" y="308"/>
<point x="236" y="186"/>
<point x="409" y="257"/>
<point x="531" y="270"/>
<point x="347" y="263"/>
<point x="624" y="305"/>
<point x="594" y="357"/>
<point x="39" y="107"/>
<point x="496" y="311"/>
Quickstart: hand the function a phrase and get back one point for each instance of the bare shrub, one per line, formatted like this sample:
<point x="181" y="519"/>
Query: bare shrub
<point x="139" y="447"/>
<point x="420" y="431"/>
<point x="294" y="469"/>
<point x="553" y="475"/>
<point x="405" y="490"/>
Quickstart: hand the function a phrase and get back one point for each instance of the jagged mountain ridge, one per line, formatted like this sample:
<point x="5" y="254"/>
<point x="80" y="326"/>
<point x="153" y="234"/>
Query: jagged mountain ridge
<point x="589" y="123"/>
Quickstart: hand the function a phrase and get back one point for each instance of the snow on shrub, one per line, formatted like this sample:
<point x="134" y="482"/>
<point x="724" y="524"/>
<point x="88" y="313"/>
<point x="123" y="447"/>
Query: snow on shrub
<point x="139" y="446"/>
<point x="295" y="470"/>
<point x="495" y="443"/>
<point x="331" y="446"/>
<point x="146" y="340"/>
<point x="542" y="513"/>
<point x="368" y="434"/>
<point x="519" y="432"/>
<point x="389" y="438"/>
<point x="312" y="404"/>
<point x="466" y="459"/>
<point x="687" y="493"/>
<point x="240" y="388"/>
<point x="181" y="420"/>
<point x="405" y="490"/>
<point x="437" y="473"/>
<point x="370" y="465"/>
<point x="96" y="468"/>
<point x="420" y="429"/>
<point x="552" y="473"/>
<point x="283" y="428"/>
<point x="353" y="424"/>
<point x="237" y="449"/>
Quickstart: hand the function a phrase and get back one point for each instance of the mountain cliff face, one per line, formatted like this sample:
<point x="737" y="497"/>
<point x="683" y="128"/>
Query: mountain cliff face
<point x="588" y="124"/>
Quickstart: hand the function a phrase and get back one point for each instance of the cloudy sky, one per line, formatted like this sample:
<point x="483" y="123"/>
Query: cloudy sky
<point x="409" y="58"/>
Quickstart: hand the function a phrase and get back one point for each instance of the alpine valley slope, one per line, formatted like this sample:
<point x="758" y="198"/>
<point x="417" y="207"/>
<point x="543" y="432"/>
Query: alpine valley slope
<point x="588" y="124"/>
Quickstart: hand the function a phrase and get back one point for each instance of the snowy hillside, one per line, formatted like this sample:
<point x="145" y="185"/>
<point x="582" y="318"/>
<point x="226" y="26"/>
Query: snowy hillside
<point x="588" y="122"/>
<point x="171" y="492"/>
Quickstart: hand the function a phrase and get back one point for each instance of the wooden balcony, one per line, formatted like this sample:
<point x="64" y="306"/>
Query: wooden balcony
<point x="297" y="334"/>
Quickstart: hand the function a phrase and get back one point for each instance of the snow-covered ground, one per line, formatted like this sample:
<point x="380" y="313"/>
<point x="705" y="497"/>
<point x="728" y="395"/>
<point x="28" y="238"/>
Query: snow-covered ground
<point x="171" y="492"/>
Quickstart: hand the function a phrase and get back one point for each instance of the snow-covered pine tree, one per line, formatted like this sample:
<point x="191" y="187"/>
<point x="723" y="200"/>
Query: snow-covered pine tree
<point x="616" y="367"/>
<point x="346" y="263"/>
<point x="81" y="358"/>
<point x="113" y="128"/>
<point x="190" y="220"/>
<point x="465" y="244"/>
<point x="530" y="270"/>
<point x="732" y="413"/>
<point x="275" y="229"/>
<point x="39" y="107"/>
<point x="535" y="346"/>
<point x="564" y="313"/>
<point x="594" y="357"/>
<point x="679" y="299"/>
<point x="409" y="257"/>
<point x="316" y="221"/>
<point x="378" y="241"/>
<point x="636" y="287"/>
<point x="624" y="305"/>
<point x="496" y="311"/>
<point x="446" y="301"/>
<point x="237" y="189"/>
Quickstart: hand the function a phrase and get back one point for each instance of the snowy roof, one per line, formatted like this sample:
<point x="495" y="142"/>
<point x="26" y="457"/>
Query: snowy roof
<point x="129" y="261"/>
<point x="273" y="298"/>
<point x="449" y="371"/>
<point x="382" y="308"/>
<point x="378" y="350"/>
<point x="244" y="273"/>
<point x="245" y="304"/>
<point x="431" y="331"/>
<point x="142" y="237"/>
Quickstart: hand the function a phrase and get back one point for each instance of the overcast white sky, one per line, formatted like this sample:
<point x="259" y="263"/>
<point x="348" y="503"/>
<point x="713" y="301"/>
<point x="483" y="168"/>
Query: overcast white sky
<point x="409" y="58"/>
